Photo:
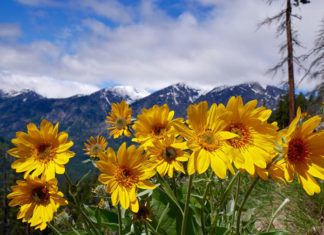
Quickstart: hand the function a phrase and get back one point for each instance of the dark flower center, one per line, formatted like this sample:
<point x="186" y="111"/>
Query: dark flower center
<point x="40" y="194"/>
<point x="120" y="123"/>
<point x="297" y="150"/>
<point x="44" y="151"/>
<point x="158" y="129"/>
<point x="169" y="153"/>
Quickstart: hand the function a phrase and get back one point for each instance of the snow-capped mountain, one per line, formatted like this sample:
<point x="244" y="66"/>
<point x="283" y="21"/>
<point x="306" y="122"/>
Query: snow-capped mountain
<point x="177" y="96"/>
<point x="129" y="93"/>
<point x="267" y="96"/>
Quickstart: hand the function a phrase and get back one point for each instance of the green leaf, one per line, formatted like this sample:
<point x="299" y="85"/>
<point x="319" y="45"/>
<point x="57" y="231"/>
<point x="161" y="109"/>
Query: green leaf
<point x="86" y="161"/>
<point x="168" y="191"/>
<point x="83" y="177"/>
<point x="168" y="218"/>
<point x="165" y="211"/>
<point x="248" y="215"/>
<point x="230" y="208"/>
<point x="220" y="231"/>
<point x="103" y="217"/>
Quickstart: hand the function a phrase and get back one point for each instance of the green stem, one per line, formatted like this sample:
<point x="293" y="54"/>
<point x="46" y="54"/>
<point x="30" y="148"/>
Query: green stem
<point x="146" y="231"/>
<point x="88" y="220"/>
<point x="54" y="228"/>
<point x="68" y="179"/>
<point x="151" y="228"/>
<point x="277" y="212"/>
<point x="236" y="199"/>
<point x="238" y="221"/>
<point x="174" y="186"/>
<point x="86" y="223"/>
<point x="202" y="215"/>
<point x="132" y="133"/>
<point x="186" y="209"/>
<point x="221" y="204"/>
<point x="73" y="191"/>
<point x="167" y="189"/>
<point x="120" y="229"/>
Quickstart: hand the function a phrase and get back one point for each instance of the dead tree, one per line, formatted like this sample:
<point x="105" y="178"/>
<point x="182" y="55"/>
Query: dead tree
<point x="284" y="25"/>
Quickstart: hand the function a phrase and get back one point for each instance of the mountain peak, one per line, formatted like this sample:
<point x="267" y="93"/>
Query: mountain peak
<point x="14" y="93"/>
<point x="129" y="93"/>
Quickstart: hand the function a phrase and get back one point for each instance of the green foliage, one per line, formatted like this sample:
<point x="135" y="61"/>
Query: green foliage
<point x="281" y="114"/>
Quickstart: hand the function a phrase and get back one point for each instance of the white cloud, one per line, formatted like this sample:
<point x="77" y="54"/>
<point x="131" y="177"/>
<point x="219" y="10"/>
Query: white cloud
<point x="222" y="49"/>
<point x="10" y="31"/>
<point x="110" y="9"/>
<point x="43" y="85"/>
<point x="35" y="3"/>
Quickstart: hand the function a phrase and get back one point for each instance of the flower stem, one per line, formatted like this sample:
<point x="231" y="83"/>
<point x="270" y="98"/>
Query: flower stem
<point x="174" y="186"/>
<point x="154" y="231"/>
<point x="146" y="231"/>
<point x="73" y="192"/>
<point x="202" y="215"/>
<point x="120" y="229"/>
<point x="277" y="212"/>
<point x="68" y="179"/>
<point x="167" y="189"/>
<point x="88" y="220"/>
<point x="238" y="221"/>
<point x="54" y="228"/>
<point x="132" y="133"/>
<point x="221" y="204"/>
<point x="236" y="199"/>
<point x="186" y="209"/>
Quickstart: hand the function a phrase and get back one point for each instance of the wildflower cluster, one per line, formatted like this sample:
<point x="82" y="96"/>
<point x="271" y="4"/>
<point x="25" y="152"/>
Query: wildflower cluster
<point x="42" y="152"/>
<point x="230" y="139"/>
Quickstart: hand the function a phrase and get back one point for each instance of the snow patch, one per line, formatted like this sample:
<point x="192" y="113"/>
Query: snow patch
<point x="130" y="93"/>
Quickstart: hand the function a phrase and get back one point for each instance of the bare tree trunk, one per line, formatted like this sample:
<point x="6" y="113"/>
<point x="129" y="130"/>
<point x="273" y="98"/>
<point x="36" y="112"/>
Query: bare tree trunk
<point x="291" y="80"/>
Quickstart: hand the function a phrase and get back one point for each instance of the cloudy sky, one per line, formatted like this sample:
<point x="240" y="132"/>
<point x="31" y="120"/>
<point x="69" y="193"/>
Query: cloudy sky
<point x="64" y="47"/>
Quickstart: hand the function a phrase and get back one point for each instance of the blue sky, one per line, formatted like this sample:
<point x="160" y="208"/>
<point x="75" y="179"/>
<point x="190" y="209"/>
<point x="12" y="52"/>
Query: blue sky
<point x="61" y="48"/>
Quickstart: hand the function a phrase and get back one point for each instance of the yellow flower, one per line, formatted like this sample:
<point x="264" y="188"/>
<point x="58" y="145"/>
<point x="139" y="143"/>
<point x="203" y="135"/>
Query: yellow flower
<point x="43" y="151"/>
<point x="94" y="147"/>
<point x="254" y="145"/>
<point x="124" y="173"/>
<point x="167" y="155"/>
<point x="38" y="200"/>
<point x="304" y="153"/>
<point x="154" y="124"/>
<point x="120" y="119"/>
<point x="207" y="139"/>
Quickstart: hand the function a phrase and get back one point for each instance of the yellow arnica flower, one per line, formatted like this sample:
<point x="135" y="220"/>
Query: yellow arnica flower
<point x="38" y="200"/>
<point x="43" y="151"/>
<point x="304" y="153"/>
<point x="124" y="173"/>
<point x="94" y="147"/>
<point x="253" y="147"/>
<point x="167" y="155"/>
<point x="207" y="139"/>
<point x="120" y="119"/>
<point x="154" y="124"/>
